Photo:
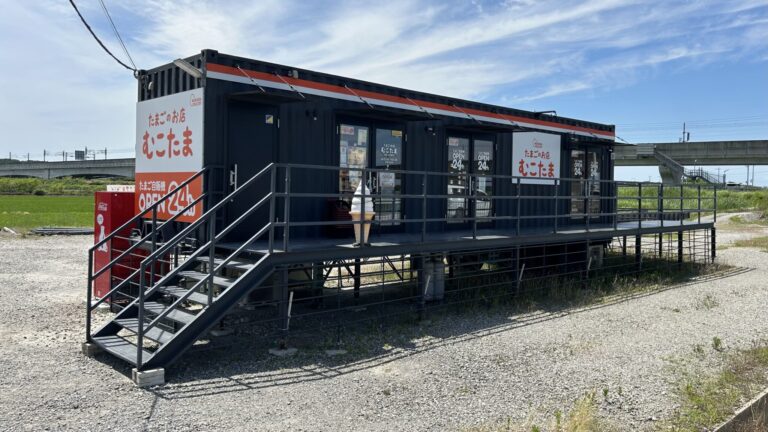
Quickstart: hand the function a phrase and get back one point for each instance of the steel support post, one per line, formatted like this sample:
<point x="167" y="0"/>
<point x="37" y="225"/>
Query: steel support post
<point x="638" y="252"/>
<point x="318" y="281"/>
<point x="284" y="307"/>
<point x="713" y="247"/>
<point x="517" y="205"/>
<point x="424" y="207"/>
<point x="557" y="212"/>
<point x="679" y="248"/>
<point x="517" y="270"/>
<point x="287" y="209"/>
<point x="357" y="278"/>
<point x="421" y="278"/>
<point x="624" y="246"/>
<point x="661" y="204"/>
<point x="89" y="295"/>
<point x="587" y="265"/>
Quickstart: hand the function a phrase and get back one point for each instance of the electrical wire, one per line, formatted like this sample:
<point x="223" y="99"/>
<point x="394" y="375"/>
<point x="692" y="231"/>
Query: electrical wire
<point x="99" y="40"/>
<point x="117" y="34"/>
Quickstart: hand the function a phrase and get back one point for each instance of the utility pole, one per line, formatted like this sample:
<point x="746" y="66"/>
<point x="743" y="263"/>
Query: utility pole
<point x="43" y="155"/>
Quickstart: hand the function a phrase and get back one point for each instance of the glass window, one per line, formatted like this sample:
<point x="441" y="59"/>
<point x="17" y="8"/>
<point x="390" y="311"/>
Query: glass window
<point x="389" y="148"/>
<point x="353" y="153"/>
<point x="389" y="155"/>
<point x="593" y="174"/>
<point x="458" y="167"/>
<point x="483" y="186"/>
<point x="578" y="172"/>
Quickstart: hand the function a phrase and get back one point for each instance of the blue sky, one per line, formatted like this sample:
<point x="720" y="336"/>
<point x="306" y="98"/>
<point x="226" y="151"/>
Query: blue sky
<point x="646" y="66"/>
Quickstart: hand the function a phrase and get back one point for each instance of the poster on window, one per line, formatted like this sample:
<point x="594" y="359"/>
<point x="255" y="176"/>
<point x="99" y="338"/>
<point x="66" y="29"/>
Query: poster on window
<point x="536" y="157"/>
<point x="169" y="150"/>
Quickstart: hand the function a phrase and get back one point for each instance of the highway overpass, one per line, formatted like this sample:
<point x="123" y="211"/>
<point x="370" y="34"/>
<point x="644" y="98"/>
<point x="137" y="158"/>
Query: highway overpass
<point x="696" y="153"/>
<point x="672" y="157"/>
<point x="88" y="168"/>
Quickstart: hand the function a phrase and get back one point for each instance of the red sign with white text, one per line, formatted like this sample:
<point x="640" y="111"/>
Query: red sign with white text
<point x="150" y="187"/>
<point x="169" y="150"/>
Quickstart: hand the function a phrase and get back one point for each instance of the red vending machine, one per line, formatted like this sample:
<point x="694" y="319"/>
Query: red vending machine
<point x="112" y="209"/>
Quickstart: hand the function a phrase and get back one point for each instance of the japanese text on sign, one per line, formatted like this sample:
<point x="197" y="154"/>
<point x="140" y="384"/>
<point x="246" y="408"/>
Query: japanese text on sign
<point x="536" y="157"/>
<point x="169" y="150"/>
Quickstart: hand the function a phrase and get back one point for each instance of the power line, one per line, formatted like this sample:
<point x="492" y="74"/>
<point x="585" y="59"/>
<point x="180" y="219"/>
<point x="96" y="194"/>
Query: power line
<point x="117" y="34"/>
<point x="98" y="40"/>
<point x="693" y="122"/>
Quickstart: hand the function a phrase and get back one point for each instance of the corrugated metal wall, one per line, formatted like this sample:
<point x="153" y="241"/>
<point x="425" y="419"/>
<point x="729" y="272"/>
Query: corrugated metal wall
<point x="308" y="135"/>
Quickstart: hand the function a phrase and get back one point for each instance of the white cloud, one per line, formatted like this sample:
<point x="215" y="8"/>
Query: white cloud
<point x="59" y="90"/>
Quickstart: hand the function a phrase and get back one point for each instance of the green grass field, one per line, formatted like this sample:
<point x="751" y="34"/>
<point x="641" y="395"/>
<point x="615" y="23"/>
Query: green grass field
<point x="24" y="212"/>
<point x="727" y="200"/>
<point x="68" y="202"/>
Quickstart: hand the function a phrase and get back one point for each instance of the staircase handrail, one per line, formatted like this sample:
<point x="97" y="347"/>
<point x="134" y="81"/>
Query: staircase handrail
<point x="133" y="220"/>
<point x="203" y="247"/>
<point x="182" y="234"/>
<point x="151" y="208"/>
<point x="135" y="272"/>
<point x="667" y="160"/>
<point x="204" y="280"/>
<point x="205" y="217"/>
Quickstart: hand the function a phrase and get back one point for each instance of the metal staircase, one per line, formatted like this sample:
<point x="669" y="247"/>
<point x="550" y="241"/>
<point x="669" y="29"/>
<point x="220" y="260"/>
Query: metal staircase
<point x="678" y="171"/>
<point x="699" y="173"/>
<point x="183" y="287"/>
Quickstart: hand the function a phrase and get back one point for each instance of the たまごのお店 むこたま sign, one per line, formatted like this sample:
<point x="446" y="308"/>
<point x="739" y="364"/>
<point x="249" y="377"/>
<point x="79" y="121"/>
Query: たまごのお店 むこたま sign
<point x="169" y="150"/>
<point x="536" y="157"/>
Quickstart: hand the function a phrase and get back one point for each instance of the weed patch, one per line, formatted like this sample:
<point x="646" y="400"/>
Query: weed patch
<point x="757" y="242"/>
<point x="707" y="400"/>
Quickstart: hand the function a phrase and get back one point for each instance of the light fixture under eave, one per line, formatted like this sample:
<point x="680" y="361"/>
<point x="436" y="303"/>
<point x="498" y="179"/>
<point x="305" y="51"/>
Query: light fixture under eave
<point x="188" y="68"/>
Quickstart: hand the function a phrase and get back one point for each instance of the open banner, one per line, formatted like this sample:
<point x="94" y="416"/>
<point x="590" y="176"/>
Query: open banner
<point x="169" y="150"/>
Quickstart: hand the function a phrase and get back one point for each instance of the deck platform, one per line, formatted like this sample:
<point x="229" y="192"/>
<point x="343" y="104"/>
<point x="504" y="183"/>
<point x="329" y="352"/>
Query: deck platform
<point x="399" y="243"/>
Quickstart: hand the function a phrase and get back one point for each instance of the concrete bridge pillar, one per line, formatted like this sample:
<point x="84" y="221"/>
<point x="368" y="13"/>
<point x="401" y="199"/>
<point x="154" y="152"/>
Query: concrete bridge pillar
<point x="670" y="176"/>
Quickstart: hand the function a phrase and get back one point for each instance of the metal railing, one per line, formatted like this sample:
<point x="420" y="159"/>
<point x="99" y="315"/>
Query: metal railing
<point x="147" y="288"/>
<point x="566" y="203"/>
<point x="151" y="237"/>
<point x="700" y="173"/>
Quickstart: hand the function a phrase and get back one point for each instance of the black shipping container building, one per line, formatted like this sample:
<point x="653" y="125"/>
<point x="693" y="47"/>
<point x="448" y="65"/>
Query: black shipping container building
<point x="456" y="187"/>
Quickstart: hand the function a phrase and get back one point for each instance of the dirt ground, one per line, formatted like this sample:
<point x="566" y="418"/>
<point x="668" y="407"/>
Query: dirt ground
<point x="459" y="372"/>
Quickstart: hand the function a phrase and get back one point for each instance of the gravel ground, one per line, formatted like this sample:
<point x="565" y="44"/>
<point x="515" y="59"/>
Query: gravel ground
<point x="462" y="371"/>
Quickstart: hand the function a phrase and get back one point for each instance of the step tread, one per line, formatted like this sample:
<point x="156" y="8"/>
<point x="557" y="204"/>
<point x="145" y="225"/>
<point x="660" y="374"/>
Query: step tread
<point x="121" y="348"/>
<point x="156" y="334"/>
<point x="233" y="264"/>
<point x="178" y="292"/>
<point x="217" y="280"/>
<point x="175" y="315"/>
